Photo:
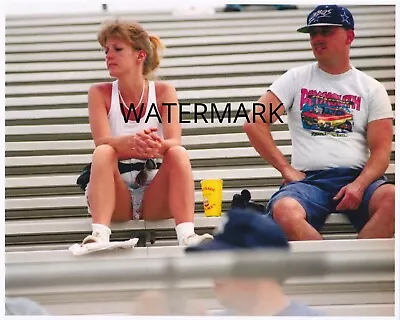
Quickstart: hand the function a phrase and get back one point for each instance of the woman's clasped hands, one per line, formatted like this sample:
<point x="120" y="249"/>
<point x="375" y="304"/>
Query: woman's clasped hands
<point x="148" y="144"/>
<point x="143" y="145"/>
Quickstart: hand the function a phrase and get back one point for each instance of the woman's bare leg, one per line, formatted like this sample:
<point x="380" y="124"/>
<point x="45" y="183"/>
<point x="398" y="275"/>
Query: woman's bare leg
<point x="105" y="186"/>
<point x="171" y="193"/>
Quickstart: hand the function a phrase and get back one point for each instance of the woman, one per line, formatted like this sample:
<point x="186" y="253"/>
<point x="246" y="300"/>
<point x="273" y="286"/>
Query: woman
<point x="131" y="54"/>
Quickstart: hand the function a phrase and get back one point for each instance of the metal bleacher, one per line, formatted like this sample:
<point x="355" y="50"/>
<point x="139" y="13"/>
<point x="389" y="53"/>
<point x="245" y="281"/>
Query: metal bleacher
<point x="223" y="58"/>
<point x="232" y="58"/>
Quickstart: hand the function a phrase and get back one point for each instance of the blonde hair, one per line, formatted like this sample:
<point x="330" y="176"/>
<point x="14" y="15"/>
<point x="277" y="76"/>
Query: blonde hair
<point x="134" y="34"/>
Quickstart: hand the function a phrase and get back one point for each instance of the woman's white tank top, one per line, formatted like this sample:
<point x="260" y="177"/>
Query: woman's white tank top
<point x="117" y="122"/>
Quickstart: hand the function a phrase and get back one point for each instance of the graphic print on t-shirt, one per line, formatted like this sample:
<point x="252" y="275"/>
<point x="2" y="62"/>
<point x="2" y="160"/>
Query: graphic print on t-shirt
<point x="327" y="113"/>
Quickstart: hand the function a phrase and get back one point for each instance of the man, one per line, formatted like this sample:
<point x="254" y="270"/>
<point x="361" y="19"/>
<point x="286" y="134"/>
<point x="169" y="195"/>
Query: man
<point x="252" y="296"/>
<point x="340" y="121"/>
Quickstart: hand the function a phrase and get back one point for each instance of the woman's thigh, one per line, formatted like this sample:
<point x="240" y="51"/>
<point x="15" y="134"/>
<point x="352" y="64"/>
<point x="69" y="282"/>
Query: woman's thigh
<point x="123" y="200"/>
<point x="155" y="203"/>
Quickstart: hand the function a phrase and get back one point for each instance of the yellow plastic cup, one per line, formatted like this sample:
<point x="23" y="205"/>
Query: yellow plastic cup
<point x="212" y="197"/>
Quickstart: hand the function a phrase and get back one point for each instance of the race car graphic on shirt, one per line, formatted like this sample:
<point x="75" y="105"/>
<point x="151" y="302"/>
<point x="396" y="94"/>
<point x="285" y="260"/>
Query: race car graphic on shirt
<point x="327" y="119"/>
<point x="324" y="116"/>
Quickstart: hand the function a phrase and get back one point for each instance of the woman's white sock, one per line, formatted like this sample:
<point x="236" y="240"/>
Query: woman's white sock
<point x="183" y="230"/>
<point x="102" y="231"/>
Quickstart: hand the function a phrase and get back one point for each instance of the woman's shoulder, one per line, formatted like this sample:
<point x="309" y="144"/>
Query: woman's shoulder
<point x="101" y="92"/>
<point x="101" y="87"/>
<point x="163" y="88"/>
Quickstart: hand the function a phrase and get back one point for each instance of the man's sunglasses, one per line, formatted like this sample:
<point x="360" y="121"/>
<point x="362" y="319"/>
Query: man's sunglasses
<point x="323" y="31"/>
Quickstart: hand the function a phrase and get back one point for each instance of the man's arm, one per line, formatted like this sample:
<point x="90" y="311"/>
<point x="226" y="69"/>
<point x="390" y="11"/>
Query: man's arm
<point x="379" y="140"/>
<point x="260" y="137"/>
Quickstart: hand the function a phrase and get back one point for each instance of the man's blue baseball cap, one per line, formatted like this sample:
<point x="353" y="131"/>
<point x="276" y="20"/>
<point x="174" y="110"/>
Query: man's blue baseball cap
<point x="328" y="15"/>
<point x="245" y="229"/>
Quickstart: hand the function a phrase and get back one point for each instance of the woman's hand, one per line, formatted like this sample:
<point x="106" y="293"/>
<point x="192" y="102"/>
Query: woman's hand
<point x="147" y="143"/>
<point x="142" y="145"/>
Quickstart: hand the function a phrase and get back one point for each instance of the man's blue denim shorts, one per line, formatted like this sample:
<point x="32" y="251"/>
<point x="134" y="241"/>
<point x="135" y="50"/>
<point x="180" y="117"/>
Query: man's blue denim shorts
<point x="316" y="191"/>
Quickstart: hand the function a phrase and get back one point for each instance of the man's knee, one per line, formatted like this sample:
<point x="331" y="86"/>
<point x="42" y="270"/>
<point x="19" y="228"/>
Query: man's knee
<point x="287" y="211"/>
<point x="383" y="202"/>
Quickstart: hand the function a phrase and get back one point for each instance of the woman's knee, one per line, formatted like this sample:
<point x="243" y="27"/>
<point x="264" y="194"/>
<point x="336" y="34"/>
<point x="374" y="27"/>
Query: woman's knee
<point x="104" y="154"/>
<point x="287" y="211"/>
<point x="176" y="156"/>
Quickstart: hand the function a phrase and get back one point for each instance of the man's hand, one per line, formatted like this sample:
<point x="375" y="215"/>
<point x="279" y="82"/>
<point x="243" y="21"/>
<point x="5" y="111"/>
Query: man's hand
<point x="291" y="174"/>
<point x="351" y="196"/>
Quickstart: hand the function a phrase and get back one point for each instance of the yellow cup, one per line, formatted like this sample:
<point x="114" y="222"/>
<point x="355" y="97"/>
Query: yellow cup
<point x="212" y="197"/>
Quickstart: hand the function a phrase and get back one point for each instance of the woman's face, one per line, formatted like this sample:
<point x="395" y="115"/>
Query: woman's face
<point x="120" y="57"/>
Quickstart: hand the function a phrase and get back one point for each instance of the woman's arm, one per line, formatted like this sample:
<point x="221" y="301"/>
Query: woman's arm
<point x="172" y="131"/>
<point x="125" y="146"/>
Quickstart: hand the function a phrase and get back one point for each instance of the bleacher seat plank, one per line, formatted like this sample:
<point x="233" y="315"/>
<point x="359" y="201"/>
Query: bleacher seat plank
<point x="83" y="224"/>
<point x="166" y="34"/>
<point x="179" y="84"/>
<point x="258" y="194"/>
<point x="166" y="17"/>
<point x="188" y="61"/>
<point x="181" y="51"/>
<point x="204" y="95"/>
<point x="296" y="246"/>
<point x="264" y="68"/>
<point x="189" y="141"/>
<point x="89" y="19"/>
<point x="66" y="129"/>
<point x="192" y="25"/>
<point x="86" y="158"/>
<point x="196" y="41"/>
<point x="201" y="154"/>
<point x="84" y="128"/>
<point x="255" y="172"/>
<point x="170" y="34"/>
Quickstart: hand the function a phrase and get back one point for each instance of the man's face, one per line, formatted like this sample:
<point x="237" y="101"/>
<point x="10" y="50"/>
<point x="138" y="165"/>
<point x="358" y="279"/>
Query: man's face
<point x="330" y="42"/>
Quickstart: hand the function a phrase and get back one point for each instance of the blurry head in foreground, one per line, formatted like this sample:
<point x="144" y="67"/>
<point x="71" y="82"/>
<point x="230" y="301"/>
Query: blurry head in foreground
<point x="243" y="229"/>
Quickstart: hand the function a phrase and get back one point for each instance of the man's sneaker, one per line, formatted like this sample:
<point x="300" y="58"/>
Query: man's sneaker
<point x="195" y="239"/>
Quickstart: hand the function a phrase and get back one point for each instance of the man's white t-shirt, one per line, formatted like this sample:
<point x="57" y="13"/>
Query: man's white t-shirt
<point x="328" y="115"/>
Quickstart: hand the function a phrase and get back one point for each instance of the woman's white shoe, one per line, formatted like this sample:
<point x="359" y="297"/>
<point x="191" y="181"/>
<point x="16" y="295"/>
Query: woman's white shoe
<point x="195" y="239"/>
